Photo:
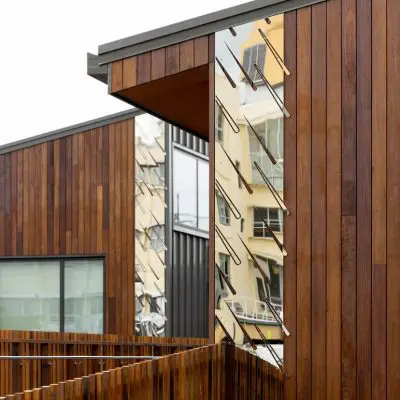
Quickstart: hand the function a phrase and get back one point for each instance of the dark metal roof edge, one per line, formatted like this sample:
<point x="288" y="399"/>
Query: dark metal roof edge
<point x="70" y="130"/>
<point x="95" y="70"/>
<point x="196" y="27"/>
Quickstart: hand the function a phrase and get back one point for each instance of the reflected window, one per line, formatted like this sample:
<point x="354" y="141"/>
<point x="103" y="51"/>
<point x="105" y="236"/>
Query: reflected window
<point x="219" y="124"/>
<point x="272" y="216"/>
<point x="254" y="55"/>
<point x="275" y="286"/>
<point x="271" y="133"/>
<point x="224" y="263"/>
<point x="191" y="190"/>
<point x="261" y="289"/>
<point x="157" y="235"/>
<point x="158" y="175"/>
<point x="223" y="210"/>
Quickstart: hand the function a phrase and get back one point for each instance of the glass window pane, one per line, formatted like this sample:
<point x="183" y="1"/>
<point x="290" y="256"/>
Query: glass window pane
<point x="203" y="205"/>
<point x="84" y="292"/>
<point x="185" y="198"/>
<point x="30" y="295"/>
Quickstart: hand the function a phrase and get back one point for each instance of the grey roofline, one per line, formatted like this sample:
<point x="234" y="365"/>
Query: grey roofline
<point x="70" y="130"/>
<point x="195" y="27"/>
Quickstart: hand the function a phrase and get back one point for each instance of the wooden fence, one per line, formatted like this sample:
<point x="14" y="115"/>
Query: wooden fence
<point x="215" y="372"/>
<point x="19" y="375"/>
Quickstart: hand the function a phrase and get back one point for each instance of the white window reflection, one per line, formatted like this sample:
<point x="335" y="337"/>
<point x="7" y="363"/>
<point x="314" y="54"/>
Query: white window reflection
<point x="191" y="189"/>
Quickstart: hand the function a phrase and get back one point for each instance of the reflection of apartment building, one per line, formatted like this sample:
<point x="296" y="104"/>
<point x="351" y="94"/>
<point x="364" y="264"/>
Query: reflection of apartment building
<point x="242" y="104"/>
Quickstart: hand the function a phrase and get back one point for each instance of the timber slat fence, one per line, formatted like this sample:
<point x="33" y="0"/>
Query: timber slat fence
<point x="19" y="375"/>
<point x="215" y="372"/>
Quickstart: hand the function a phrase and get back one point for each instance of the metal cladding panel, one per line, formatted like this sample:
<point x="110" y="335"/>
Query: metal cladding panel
<point x="190" y="141"/>
<point x="188" y="301"/>
<point x="187" y="272"/>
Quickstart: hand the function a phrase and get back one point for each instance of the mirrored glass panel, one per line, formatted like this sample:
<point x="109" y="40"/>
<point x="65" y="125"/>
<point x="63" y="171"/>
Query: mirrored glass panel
<point x="249" y="163"/>
<point x="150" y="238"/>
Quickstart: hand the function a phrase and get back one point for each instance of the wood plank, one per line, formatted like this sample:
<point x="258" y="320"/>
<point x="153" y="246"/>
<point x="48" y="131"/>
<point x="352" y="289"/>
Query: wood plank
<point x="290" y="196"/>
<point x="158" y="63"/>
<point x="201" y="51"/>
<point x="172" y="60"/>
<point x="349" y="328"/>
<point x="318" y="202"/>
<point x="116" y="76"/>
<point x="50" y="198"/>
<point x="25" y="221"/>
<point x="20" y="202"/>
<point x="62" y="197"/>
<point x="379" y="193"/>
<point x="364" y="206"/>
<point x="333" y="222"/>
<point x="349" y="200"/>
<point x="87" y="194"/>
<point x="81" y="193"/>
<point x="68" y="194"/>
<point x="2" y="195"/>
<point x="125" y="298"/>
<point x="93" y="190"/>
<point x="393" y="199"/>
<point x="43" y="206"/>
<point x="379" y="332"/>
<point x="303" y="207"/>
<point x="143" y="68"/>
<point x="129" y="71"/>
<point x="186" y="55"/>
<point x="14" y="202"/>
<point x="117" y="220"/>
<point x="131" y="227"/>
<point x="99" y="187"/>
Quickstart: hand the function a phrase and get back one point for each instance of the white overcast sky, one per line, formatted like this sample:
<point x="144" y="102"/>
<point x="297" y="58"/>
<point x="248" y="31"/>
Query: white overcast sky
<point x="43" y="46"/>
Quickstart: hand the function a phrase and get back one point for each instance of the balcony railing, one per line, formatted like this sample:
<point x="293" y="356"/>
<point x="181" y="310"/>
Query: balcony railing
<point x="252" y="310"/>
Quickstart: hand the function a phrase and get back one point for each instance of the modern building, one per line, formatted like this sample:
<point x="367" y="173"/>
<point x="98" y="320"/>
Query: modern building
<point x="263" y="194"/>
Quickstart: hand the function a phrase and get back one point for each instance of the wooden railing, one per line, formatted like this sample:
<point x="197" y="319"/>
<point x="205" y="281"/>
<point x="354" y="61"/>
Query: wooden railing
<point x="19" y="375"/>
<point x="216" y="372"/>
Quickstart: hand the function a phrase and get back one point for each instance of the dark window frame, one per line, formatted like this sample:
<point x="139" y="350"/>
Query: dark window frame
<point x="62" y="259"/>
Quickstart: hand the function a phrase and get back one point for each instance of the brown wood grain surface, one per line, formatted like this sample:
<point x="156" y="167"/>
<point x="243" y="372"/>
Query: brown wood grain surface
<point x="17" y="376"/>
<point x="290" y="195"/>
<point x="354" y="117"/>
<point x="55" y="200"/>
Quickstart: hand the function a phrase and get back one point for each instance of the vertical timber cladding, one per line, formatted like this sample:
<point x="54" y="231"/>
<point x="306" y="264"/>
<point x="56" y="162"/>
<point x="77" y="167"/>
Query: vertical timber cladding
<point x="74" y="196"/>
<point x="342" y="301"/>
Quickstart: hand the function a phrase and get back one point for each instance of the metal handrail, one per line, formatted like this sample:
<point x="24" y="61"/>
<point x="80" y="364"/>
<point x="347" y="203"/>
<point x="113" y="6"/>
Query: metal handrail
<point x="79" y="357"/>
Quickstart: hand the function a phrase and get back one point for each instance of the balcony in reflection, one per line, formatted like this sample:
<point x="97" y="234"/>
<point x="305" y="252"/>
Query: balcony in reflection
<point x="250" y="102"/>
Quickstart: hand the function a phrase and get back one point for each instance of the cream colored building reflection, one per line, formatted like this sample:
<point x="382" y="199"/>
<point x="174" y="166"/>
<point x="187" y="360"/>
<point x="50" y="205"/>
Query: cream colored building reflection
<point x="150" y="226"/>
<point x="244" y="149"/>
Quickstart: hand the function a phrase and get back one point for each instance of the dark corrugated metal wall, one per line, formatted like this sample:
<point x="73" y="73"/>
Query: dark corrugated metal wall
<point x="187" y="263"/>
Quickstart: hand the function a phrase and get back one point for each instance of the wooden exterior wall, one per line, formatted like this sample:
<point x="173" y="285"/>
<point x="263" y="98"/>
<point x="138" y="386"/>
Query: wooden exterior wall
<point x="342" y="186"/>
<point x="75" y="196"/>
<point x="19" y="375"/>
<point x="160" y="63"/>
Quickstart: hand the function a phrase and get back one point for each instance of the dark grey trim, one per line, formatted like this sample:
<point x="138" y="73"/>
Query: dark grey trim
<point x="96" y="71"/>
<point x="195" y="27"/>
<point x="70" y="130"/>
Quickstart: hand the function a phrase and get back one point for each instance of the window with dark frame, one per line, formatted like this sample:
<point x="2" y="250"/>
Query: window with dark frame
<point x="254" y="55"/>
<point x="272" y="216"/>
<point x="275" y="285"/>
<point x="224" y="263"/>
<point x="219" y="125"/>
<point x="261" y="290"/>
<point x="53" y="294"/>
<point x="223" y="210"/>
